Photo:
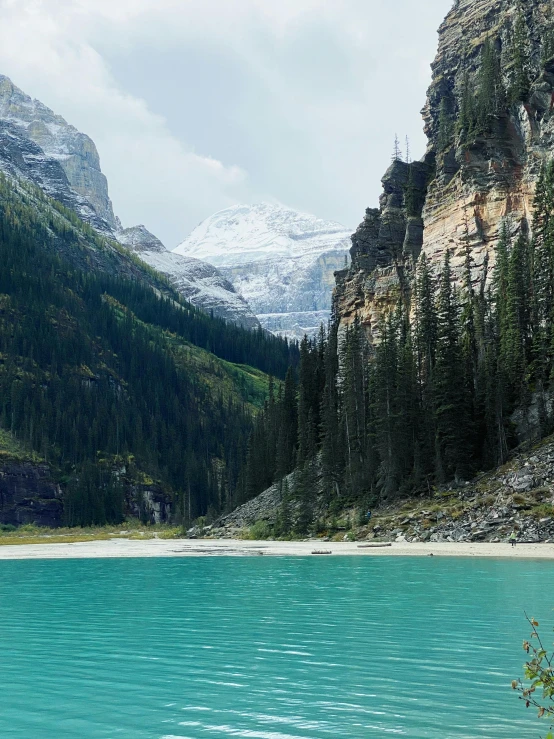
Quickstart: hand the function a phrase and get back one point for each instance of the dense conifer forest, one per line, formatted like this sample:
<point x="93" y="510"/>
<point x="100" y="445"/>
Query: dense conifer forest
<point x="99" y="370"/>
<point x="434" y="400"/>
<point x="103" y="364"/>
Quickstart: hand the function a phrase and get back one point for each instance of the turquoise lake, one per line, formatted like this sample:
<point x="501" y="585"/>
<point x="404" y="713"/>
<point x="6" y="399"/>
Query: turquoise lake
<point x="268" y="648"/>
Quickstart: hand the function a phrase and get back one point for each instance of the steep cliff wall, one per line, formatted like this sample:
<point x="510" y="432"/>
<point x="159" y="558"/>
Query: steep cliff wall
<point x="469" y="181"/>
<point x="59" y="142"/>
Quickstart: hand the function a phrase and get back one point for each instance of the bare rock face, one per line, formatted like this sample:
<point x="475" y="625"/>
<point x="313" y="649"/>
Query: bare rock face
<point x="29" y="495"/>
<point x="385" y="247"/>
<point x="59" y="142"/>
<point x="139" y="239"/>
<point x="462" y="192"/>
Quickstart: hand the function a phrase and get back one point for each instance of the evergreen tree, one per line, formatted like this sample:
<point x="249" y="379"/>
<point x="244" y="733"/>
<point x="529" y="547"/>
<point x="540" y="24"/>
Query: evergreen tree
<point x="515" y="323"/>
<point x="309" y="377"/>
<point x="354" y="406"/>
<point x="452" y="455"/>
<point x="288" y="428"/>
<point x="305" y="493"/>
<point x="283" y="525"/>
<point x="467" y="119"/>
<point x="396" y="153"/>
<point x="490" y="87"/>
<point x="519" y="59"/>
<point x="332" y="444"/>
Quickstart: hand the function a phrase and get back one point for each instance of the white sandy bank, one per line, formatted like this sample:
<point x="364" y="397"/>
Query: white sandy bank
<point x="229" y="547"/>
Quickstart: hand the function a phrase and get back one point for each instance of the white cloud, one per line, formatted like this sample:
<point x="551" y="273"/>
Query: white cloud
<point x="318" y="89"/>
<point x="144" y="163"/>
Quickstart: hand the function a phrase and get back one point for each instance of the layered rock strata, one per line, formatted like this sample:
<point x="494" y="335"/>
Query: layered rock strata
<point x="475" y="184"/>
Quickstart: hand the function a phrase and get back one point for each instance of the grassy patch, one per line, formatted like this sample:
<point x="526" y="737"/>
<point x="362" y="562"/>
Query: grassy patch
<point x="30" y="534"/>
<point x="546" y="510"/>
<point x="12" y="450"/>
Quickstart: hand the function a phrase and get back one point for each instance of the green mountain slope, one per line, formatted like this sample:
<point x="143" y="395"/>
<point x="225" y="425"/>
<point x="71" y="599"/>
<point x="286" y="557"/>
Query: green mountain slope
<point x="101" y="363"/>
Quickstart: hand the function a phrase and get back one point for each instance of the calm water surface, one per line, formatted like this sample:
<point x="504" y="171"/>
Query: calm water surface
<point x="267" y="648"/>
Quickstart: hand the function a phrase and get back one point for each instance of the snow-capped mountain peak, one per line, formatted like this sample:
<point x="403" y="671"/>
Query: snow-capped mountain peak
<point x="280" y="260"/>
<point x="252" y="233"/>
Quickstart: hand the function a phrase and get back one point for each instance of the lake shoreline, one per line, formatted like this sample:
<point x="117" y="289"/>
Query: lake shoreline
<point x="123" y="548"/>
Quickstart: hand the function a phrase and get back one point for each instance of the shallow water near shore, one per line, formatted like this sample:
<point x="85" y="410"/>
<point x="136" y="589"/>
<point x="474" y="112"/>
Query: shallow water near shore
<point x="268" y="648"/>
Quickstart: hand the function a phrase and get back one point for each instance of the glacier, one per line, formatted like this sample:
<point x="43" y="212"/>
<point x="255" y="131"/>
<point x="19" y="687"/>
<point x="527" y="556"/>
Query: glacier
<point x="281" y="261"/>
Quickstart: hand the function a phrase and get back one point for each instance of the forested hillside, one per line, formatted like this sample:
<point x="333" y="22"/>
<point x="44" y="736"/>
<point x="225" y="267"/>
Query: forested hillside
<point x="435" y="399"/>
<point x="104" y="368"/>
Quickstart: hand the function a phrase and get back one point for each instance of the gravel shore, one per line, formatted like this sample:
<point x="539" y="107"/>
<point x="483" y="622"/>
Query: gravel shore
<point x="230" y="547"/>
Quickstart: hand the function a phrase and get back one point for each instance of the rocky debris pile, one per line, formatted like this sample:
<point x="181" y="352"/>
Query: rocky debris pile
<point x="518" y="496"/>
<point x="262" y="508"/>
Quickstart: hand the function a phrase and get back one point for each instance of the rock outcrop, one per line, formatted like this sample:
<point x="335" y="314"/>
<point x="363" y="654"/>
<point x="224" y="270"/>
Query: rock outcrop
<point x="385" y="247"/>
<point x="60" y="143"/>
<point x="465" y="187"/>
<point x="28" y="495"/>
<point x="139" y="240"/>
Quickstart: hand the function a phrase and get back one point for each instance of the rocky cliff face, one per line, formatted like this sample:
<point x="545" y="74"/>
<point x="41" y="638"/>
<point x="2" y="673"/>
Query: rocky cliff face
<point x="58" y="142"/>
<point x="29" y="495"/>
<point x="465" y="187"/>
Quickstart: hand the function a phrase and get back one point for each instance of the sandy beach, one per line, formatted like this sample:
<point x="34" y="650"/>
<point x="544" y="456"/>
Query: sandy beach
<point x="229" y="547"/>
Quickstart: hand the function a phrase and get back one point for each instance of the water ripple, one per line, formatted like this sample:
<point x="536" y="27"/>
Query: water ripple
<point x="266" y="649"/>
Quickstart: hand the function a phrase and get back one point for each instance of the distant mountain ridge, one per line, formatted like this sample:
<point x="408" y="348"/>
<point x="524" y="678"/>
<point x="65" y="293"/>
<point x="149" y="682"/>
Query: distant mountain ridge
<point x="200" y="283"/>
<point x="282" y="261"/>
<point x="39" y="146"/>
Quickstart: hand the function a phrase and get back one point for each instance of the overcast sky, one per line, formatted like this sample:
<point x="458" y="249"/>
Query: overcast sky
<point x="196" y="105"/>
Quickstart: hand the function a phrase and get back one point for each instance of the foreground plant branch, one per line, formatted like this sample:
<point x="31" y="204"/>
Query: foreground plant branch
<point x="538" y="689"/>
